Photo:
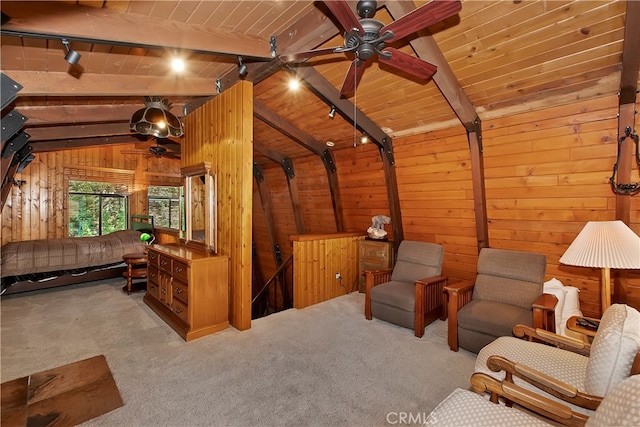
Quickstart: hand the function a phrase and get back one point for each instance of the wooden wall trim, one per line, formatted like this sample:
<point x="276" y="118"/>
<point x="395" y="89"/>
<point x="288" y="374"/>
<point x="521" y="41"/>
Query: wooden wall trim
<point x="310" y="237"/>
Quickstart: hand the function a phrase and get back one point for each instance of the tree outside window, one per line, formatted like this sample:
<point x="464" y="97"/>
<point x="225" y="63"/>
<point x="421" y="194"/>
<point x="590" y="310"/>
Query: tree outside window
<point x="95" y="209"/>
<point x="164" y="205"/>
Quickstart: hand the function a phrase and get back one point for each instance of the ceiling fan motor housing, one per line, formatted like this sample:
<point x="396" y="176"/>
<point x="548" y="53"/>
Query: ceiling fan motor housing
<point x="371" y="29"/>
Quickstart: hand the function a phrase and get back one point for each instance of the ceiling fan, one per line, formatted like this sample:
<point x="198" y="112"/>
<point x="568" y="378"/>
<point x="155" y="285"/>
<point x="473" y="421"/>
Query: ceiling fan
<point x="367" y="38"/>
<point x="164" y="147"/>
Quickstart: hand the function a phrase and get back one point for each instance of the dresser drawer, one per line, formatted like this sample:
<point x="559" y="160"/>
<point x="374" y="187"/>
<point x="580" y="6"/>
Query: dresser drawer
<point x="180" y="271"/>
<point x="153" y="274"/>
<point x="153" y="289"/>
<point x="152" y="258"/>
<point x="180" y="291"/>
<point x="180" y="310"/>
<point x="164" y="262"/>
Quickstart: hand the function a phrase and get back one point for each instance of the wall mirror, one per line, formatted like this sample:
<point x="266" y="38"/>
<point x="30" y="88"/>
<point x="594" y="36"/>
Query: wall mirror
<point x="200" y="206"/>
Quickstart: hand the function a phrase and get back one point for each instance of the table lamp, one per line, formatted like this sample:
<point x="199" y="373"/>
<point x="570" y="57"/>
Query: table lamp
<point x="147" y="238"/>
<point x="605" y="245"/>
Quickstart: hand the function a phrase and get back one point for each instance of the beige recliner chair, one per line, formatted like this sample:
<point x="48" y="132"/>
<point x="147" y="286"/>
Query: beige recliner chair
<point x="508" y="290"/>
<point x="411" y="293"/>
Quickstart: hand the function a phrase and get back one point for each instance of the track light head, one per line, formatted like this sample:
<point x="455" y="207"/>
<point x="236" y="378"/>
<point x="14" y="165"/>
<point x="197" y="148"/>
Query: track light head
<point x="72" y="57"/>
<point x="242" y="69"/>
<point x="364" y="138"/>
<point x="332" y="112"/>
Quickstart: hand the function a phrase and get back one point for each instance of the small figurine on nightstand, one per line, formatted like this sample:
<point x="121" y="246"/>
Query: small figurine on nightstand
<point x="377" y="231"/>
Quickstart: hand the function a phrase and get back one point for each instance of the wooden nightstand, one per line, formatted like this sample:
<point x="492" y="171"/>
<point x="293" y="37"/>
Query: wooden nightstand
<point x="373" y="255"/>
<point x="136" y="269"/>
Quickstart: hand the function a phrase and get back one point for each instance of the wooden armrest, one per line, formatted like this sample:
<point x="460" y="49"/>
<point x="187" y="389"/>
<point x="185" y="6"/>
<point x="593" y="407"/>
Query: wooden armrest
<point x="431" y="280"/>
<point x="546" y="302"/>
<point x="551" y="385"/>
<point x="457" y="295"/>
<point x="373" y="278"/>
<point x="379" y="271"/>
<point x="560" y="341"/>
<point x="460" y="287"/>
<point x="481" y="383"/>
<point x="543" y="312"/>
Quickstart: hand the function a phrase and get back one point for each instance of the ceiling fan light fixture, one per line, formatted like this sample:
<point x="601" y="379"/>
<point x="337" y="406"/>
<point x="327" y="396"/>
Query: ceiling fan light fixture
<point x="72" y="57"/>
<point x="156" y="119"/>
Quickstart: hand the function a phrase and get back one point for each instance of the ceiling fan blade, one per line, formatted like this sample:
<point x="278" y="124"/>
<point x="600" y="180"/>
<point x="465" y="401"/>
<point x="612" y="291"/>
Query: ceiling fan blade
<point x="353" y="77"/>
<point x="422" y="17"/>
<point x="409" y="64"/>
<point x="343" y="13"/>
<point x="299" y="56"/>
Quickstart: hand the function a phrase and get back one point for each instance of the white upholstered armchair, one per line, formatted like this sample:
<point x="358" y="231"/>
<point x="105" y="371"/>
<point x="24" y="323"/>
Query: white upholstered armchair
<point x="463" y="408"/>
<point x="572" y="371"/>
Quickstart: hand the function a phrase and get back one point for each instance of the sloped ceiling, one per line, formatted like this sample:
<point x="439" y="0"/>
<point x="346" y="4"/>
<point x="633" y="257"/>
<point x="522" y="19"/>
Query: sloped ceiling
<point x="507" y="56"/>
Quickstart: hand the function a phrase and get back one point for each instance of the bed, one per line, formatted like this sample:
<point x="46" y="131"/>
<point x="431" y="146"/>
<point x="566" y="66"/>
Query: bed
<point x="46" y="263"/>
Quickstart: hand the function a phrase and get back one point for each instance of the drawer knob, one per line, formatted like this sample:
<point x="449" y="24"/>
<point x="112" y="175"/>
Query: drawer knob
<point x="177" y="310"/>
<point x="164" y="291"/>
<point x="164" y="263"/>
<point x="178" y="291"/>
<point x="178" y="269"/>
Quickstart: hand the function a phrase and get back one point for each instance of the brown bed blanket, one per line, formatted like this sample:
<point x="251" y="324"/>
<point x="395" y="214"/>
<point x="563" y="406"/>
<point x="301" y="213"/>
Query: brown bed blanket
<point x="46" y="255"/>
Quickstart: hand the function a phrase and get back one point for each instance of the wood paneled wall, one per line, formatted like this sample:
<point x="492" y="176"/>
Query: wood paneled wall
<point x="38" y="210"/>
<point x="546" y="175"/>
<point x="316" y="260"/>
<point x="221" y="132"/>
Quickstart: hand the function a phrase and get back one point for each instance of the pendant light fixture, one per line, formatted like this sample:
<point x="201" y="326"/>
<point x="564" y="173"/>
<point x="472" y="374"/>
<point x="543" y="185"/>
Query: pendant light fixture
<point x="156" y="119"/>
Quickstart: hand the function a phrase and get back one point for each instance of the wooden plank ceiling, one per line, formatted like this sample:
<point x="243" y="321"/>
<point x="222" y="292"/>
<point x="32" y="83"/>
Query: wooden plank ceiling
<point x="508" y="57"/>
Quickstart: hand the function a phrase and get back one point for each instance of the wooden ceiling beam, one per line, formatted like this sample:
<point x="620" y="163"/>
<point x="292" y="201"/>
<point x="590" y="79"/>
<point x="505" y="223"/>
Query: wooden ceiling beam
<point x="427" y="49"/>
<point x="627" y="112"/>
<point x="292" y="182"/>
<point x="71" y="114"/>
<point x="323" y="89"/>
<point x="57" y="20"/>
<point x="630" y="54"/>
<point x="68" y="144"/>
<point x="310" y="143"/>
<point x="273" y="155"/>
<point x="64" y="84"/>
<point x="52" y="133"/>
<point x="287" y="128"/>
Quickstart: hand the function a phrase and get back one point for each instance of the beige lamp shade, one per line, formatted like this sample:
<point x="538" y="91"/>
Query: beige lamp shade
<point x="605" y="245"/>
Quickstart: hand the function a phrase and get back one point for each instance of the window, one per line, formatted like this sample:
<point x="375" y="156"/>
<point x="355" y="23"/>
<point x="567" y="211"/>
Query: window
<point x="95" y="209"/>
<point x="164" y="205"/>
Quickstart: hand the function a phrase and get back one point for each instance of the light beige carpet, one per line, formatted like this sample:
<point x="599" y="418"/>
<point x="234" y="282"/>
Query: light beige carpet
<point x="324" y="365"/>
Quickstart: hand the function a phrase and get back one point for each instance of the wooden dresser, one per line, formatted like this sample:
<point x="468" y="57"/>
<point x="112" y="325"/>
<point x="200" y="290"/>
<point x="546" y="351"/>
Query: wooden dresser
<point x="373" y="255"/>
<point x="188" y="289"/>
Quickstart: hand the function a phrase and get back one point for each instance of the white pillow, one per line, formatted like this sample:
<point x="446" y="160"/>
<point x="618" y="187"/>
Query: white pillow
<point x="613" y="350"/>
<point x="568" y="304"/>
<point x="571" y="302"/>
<point x="553" y="283"/>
